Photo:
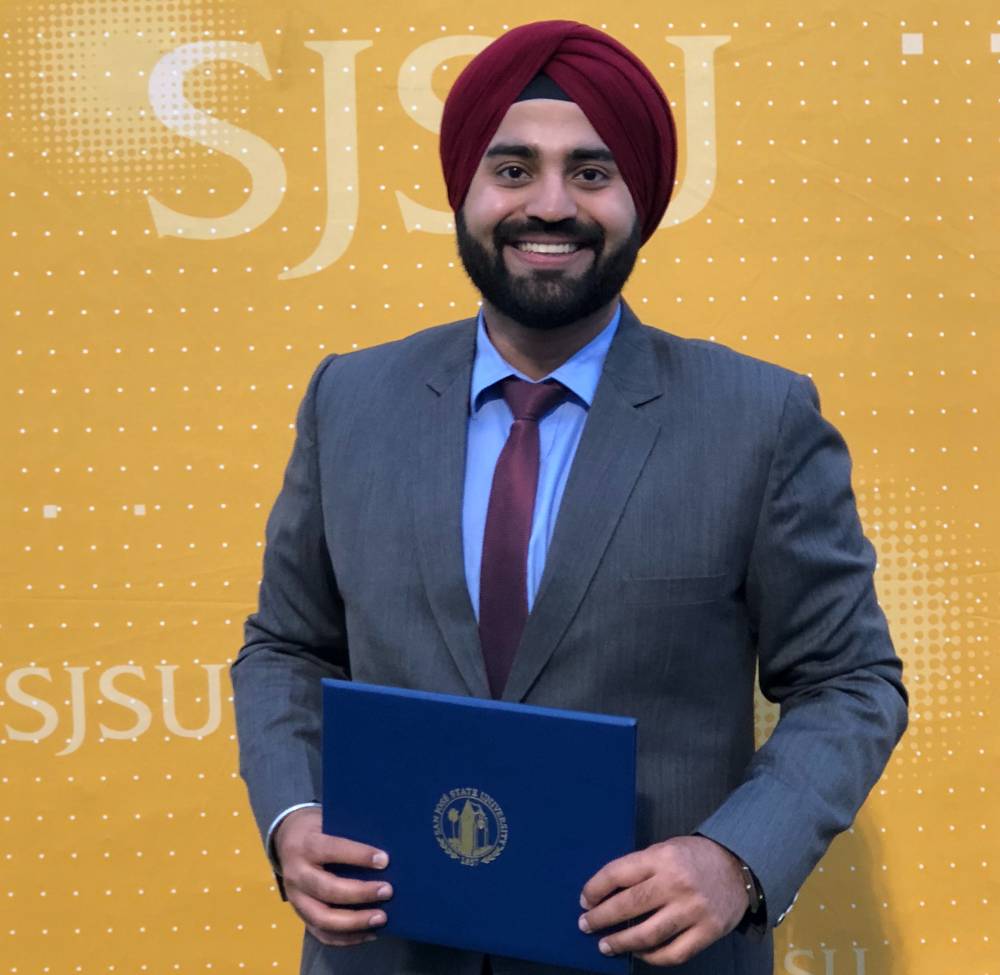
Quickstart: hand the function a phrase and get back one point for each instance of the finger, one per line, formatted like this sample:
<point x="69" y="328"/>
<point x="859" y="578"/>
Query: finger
<point x="623" y="906"/>
<point x="343" y="891"/>
<point x="683" y="948"/>
<point x="626" y="871"/>
<point x="339" y="940"/>
<point x="648" y="936"/>
<point x="320" y="849"/>
<point x="335" y="920"/>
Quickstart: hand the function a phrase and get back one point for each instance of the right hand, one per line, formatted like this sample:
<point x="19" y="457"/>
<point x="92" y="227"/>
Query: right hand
<point x="322" y="899"/>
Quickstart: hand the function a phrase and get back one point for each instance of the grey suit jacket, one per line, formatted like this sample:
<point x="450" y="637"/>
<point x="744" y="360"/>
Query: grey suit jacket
<point x="708" y="528"/>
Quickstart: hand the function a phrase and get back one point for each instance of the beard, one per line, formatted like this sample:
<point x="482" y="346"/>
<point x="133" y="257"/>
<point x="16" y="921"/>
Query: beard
<point x="547" y="299"/>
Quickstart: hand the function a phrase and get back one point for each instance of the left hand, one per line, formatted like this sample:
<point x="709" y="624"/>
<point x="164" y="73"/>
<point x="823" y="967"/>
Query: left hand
<point x="690" y="887"/>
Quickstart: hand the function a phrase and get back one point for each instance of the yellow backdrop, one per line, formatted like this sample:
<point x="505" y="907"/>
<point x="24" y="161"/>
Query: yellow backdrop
<point x="202" y="197"/>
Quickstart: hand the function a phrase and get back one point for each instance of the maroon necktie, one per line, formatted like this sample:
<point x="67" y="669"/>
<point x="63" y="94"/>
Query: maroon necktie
<point x="503" y="577"/>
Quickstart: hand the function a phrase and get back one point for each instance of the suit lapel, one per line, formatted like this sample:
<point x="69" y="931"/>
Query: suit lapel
<point x="613" y="449"/>
<point x="439" y="483"/>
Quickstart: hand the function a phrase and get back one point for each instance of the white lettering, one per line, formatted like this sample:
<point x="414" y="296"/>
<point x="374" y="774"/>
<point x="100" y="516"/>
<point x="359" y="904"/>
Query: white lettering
<point x="78" y="708"/>
<point x="143" y="715"/>
<point x="50" y="717"/>
<point x="791" y="968"/>
<point x="416" y="95"/>
<point x="76" y="704"/>
<point x="263" y="162"/>
<point x="341" y="121"/>
<point x="829" y="961"/>
<point x="701" y="164"/>
<point x="170" y="702"/>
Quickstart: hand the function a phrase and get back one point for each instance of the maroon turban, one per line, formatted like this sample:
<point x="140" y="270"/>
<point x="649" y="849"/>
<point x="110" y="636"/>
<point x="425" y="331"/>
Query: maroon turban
<point x="611" y="85"/>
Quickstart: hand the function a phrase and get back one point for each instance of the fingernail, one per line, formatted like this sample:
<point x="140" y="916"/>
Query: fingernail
<point x="584" y="903"/>
<point x="376" y="920"/>
<point x="384" y="892"/>
<point x="584" y="926"/>
<point x="380" y="859"/>
<point x="605" y="948"/>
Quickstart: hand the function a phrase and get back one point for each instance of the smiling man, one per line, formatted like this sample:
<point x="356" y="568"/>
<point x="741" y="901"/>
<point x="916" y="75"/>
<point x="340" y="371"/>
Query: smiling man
<point x="553" y="503"/>
<point x="548" y="232"/>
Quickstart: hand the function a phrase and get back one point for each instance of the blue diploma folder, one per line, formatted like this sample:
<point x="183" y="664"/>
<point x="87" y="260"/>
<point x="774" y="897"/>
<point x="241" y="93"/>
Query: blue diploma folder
<point x="494" y="815"/>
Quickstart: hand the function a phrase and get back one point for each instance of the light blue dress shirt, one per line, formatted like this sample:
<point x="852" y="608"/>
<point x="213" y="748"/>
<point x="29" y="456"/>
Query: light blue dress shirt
<point x="490" y="420"/>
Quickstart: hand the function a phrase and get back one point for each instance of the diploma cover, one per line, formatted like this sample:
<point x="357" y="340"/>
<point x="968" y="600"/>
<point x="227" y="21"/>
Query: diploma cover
<point x="494" y="815"/>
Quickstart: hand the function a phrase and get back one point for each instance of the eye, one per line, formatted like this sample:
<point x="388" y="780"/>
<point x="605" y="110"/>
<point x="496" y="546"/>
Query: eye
<point x="591" y="175"/>
<point x="512" y="171"/>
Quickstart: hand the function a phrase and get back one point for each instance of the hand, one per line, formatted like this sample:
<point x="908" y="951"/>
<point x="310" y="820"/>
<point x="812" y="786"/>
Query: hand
<point x="322" y="899"/>
<point x="690" y="887"/>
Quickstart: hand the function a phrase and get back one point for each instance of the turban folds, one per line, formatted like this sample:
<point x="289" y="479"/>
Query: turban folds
<point x="613" y="88"/>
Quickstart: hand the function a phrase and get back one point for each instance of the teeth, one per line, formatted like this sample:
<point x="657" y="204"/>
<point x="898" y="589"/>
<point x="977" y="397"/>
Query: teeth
<point x="533" y="248"/>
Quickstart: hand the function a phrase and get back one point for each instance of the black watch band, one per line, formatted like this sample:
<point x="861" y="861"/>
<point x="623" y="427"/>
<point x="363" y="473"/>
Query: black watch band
<point x="755" y="895"/>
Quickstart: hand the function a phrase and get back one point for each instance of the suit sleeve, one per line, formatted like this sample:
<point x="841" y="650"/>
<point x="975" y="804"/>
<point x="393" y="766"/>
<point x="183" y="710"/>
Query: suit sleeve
<point x="296" y="637"/>
<point x="825" y="655"/>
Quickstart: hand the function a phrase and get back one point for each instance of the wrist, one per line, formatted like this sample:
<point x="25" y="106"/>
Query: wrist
<point x="277" y="828"/>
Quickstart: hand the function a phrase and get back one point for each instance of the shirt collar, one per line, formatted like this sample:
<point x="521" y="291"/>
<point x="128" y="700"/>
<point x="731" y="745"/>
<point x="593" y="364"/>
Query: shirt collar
<point x="579" y="374"/>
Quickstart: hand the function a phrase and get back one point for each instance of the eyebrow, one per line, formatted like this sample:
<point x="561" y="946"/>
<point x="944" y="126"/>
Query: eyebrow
<point x="520" y="151"/>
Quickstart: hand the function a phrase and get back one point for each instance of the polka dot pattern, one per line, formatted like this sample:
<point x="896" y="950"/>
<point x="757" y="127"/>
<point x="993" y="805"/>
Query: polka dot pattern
<point x="76" y="88"/>
<point x="833" y="214"/>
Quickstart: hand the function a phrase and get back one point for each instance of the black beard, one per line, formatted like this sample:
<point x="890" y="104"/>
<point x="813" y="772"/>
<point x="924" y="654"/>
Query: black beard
<point x="547" y="299"/>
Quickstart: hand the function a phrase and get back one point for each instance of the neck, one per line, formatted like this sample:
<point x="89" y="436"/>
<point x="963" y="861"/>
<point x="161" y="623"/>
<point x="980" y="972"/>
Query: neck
<point x="537" y="352"/>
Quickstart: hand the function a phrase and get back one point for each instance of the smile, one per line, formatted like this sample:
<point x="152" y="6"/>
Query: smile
<point x="532" y="247"/>
<point x="539" y="256"/>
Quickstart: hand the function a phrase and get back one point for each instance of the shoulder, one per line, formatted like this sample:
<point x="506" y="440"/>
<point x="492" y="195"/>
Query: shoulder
<point x="394" y="364"/>
<point x="425" y="347"/>
<point x="710" y="371"/>
<point x="422" y="346"/>
<point x="703" y="354"/>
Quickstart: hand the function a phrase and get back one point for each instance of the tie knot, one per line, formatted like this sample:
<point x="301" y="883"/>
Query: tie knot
<point x="531" y="401"/>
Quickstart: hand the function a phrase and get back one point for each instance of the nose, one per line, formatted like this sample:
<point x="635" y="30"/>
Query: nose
<point x="550" y="199"/>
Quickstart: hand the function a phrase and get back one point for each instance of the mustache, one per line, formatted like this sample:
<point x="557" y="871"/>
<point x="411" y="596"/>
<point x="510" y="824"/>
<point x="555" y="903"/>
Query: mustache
<point x="509" y="232"/>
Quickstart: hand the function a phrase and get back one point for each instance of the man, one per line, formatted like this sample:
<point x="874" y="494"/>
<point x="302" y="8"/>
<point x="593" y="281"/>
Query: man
<point x="689" y="518"/>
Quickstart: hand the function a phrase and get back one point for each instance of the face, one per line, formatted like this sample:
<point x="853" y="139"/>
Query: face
<point x="548" y="230"/>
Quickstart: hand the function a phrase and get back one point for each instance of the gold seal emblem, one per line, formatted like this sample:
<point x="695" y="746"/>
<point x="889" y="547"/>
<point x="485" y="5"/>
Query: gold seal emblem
<point x="470" y="826"/>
